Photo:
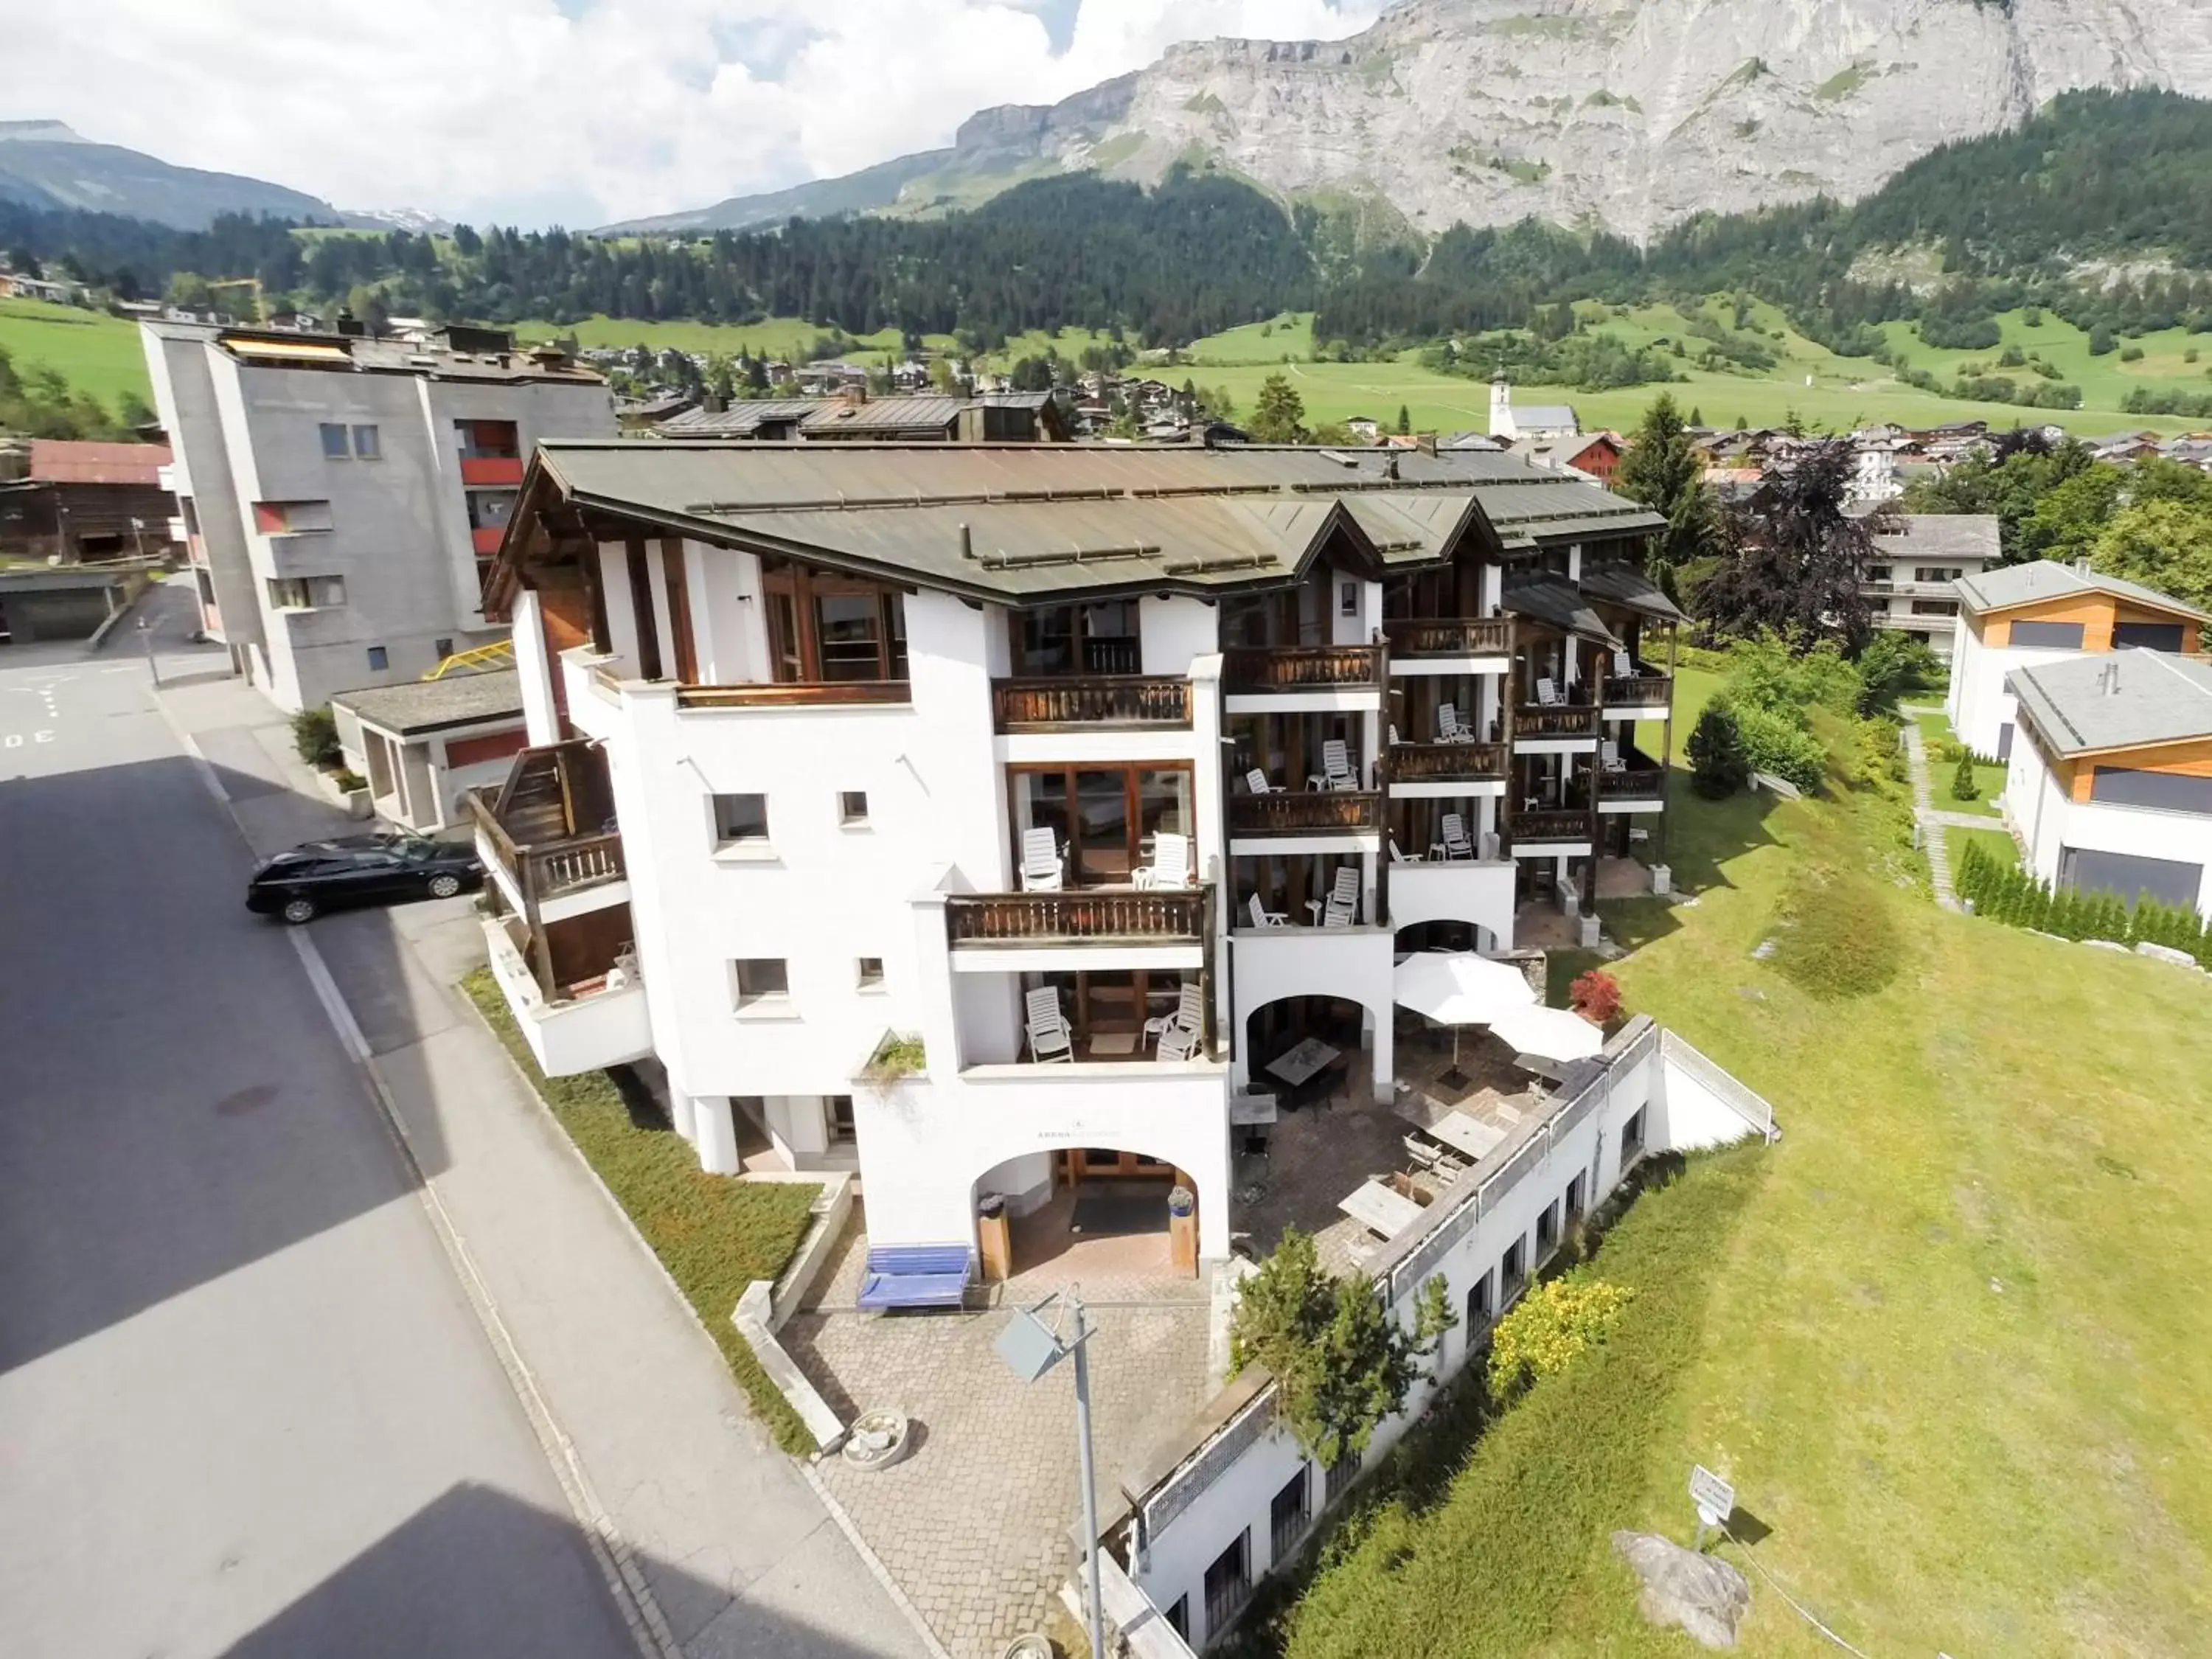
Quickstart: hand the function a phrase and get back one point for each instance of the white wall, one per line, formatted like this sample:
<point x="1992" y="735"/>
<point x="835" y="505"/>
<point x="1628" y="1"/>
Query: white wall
<point x="534" y="668"/>
<point x="1352" y="963"/>
<point x="1175" y="631"/>
<point x="1462" y="890"/>
<point x="1978" y="704"/>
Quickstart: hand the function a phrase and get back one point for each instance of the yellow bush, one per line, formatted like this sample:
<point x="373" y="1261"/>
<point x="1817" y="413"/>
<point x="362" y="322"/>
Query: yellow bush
<point x="1551" y="1324"/>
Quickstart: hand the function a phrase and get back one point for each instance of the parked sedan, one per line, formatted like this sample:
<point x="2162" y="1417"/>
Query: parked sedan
<point x="375" y="869"/>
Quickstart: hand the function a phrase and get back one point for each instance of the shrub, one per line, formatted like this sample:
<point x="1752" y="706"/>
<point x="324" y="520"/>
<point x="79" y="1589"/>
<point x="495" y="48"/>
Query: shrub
<point x="895" y="1056"/>
<point x="349" y="780"/>
<point x="1549" y="1328"/>
<point x="2133" y="354"/>
<point x="1595" y="995"/>
<point x="1893" y="664"/>
<point x="1342" y="1362"/>
<point x="315" y="735"/>
<point x="1964" y="786"/>
<point x="1835" y="936"/>
<point x="1717" y="765"/>
<point x="1774" y="743"/>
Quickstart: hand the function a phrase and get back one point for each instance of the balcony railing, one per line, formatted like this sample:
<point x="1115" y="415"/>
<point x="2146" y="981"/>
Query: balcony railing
<point x="1309" y="812"/>
<point x="1050" y="705"/>
<point x="552" y="868"/>
<point x="1549" y="826"/>
<point x="808" y="693"/>
<point x="1639" y="691"/>
<point x="1301" y="667"/>
<point x="1088" y="916"/>
<point x="1534" y="720"/>
<point x="1470" y="636"/>
<point x="1447" y="762"/>
<point x="1637" y="783"/>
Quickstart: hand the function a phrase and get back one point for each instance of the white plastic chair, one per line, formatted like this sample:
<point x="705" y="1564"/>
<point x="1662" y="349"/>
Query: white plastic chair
<point x="1398" y="857"/>
<point x="1548" y="693"/>
<point x="1171" y="865"/>
<point x="1609" y="756"/>
<point x="1341" y="908"/>
<point x="1263" y="917"/>
<point x="1190" y="1013"/>
<point x="1448" y="730"/>
<point x="1336" y="773"/>
<point x="1256" y="781"/>
<point x="1178" y="1042"/>
<point x="1624" y="665"/>
<point x="1042" y="871"/>
<point x="1050" y="1038"/>
<point x="1457" y="845"/>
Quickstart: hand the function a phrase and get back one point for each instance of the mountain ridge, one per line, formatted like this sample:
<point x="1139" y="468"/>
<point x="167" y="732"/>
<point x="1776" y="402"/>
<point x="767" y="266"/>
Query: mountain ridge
<point x="46" y="164"/>
<point x="1593" y="113"/>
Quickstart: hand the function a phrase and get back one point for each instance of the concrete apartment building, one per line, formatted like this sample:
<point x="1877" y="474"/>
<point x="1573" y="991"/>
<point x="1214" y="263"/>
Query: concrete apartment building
<point x="1910" y="581"/>
<point x="1113" y="776"/>
<point x="2112" y="791"/>
<point x="2026" y="616"/>
<point x="341" y="498"/>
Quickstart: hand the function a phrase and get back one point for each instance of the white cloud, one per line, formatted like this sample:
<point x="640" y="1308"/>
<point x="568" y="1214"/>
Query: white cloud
<point x="581" y="111"/>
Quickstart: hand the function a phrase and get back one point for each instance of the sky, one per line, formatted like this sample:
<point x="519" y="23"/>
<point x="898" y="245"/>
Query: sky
<point x="578" y="111"/>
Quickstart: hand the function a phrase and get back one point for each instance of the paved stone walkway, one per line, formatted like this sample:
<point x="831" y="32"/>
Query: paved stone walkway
<point x="1929" y="820"/>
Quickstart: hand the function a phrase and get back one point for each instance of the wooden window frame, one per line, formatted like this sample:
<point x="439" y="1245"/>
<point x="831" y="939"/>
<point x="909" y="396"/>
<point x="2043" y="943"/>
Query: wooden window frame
<point x="1132" y="797"/>
<point x="799" y="586"/>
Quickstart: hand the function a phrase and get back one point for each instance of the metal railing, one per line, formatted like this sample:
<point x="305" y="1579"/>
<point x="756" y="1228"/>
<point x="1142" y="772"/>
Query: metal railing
<point x="1034" y="705"/>
<point x="1470" y="636"/>
<point x="1422" y="763"/>
<point x="1304" y="812"/>
<point x="1301" y="667"/>
<point x="1174" y="915"/>
<point x="1552" y="720"/>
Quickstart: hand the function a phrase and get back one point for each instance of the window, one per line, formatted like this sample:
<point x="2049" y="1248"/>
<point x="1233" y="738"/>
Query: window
<point x="740" y="819"/>
<point x="367" y="443"/>
<point x="290" y="517"/>
<point x="2131" y="876"/>
<point x="2061" y="636"/>
<point x="870" y="976"/>
<point x="1109" y="820"/>
<point x="1935" y="607"/>
<point x="852" y="807"/>
<point x="1575" y="1198"/>
<point x="1077" y="639"/>
<point x="1938" y="573"/>
<point x="1348" y="599"/>
<point x="1631" y="1136"/>
<point x="489" y="509"/>
<point x="1179" y="1617"/>
<point x="1878" y="573"/>
<point x="1287" y="1515"/>
<point x="1510" y="1269"/>
<point x="762" y="979"/>
<point x="837" y="1113"/>
<point x="1339" y="1477"/>
<point x="2147" y="636"/>
<point x="378" y="658"/>
<point x="2165" y="792"/>
<point x="1478" y="1307"/>
<point x="334" y="441"/>
<point x="306" y="592"/>
<point x="831" y="628"/>
<point x="489" y="439"/>
<point x="1548" y="1229"/>
<point x="1228" y="1585"/>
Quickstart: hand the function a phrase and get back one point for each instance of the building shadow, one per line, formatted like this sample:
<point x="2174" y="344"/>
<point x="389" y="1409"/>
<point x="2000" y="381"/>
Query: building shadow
<point x="176" y="1105"/>
<point x="1705" y="837"/>
<point x="478" y="1574"/>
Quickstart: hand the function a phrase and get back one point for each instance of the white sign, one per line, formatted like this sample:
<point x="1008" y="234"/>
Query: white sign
<point x="1714" y="1497"/>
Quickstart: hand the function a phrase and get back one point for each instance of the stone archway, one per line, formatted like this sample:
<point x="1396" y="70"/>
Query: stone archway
<point x="1089" y="1212"/>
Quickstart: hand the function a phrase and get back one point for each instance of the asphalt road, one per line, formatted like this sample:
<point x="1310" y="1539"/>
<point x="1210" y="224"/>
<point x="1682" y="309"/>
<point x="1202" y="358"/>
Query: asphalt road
<point x="244" y="1406"/>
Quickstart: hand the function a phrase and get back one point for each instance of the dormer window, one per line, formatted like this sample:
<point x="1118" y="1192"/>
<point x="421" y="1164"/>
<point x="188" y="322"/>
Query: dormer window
<point x="824" y="628"/>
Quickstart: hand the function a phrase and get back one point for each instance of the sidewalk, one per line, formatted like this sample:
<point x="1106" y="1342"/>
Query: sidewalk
<point x="1932" y="839"/>
<point x="739" y="1551"/>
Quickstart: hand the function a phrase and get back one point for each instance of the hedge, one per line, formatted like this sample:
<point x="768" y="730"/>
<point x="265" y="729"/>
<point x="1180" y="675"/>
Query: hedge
<point x="2013" y="896"/>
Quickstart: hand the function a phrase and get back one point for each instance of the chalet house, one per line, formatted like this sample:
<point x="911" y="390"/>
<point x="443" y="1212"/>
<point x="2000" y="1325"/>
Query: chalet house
<point x="1912" y="582"/>
<point x="87" y="501"/>
<point x="994" y="418"/>
<point x="1597" y="453"/>
<point x="2026" y="616"/>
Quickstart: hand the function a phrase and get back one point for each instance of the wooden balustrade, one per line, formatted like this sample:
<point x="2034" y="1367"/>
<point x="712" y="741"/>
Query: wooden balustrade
<point x="1466" y="636"/>
<point x="795" y="694"/>
<point x="1301" y="667"/>
<point x="1087" y="914"/>
<point x="1431" y="762"/>
<point x="1639" y="691"/>
<point x="552" y="868"/>
<point x="1307" y="812"/>
<point x="1573" y="824"/>
<point x="1638" y="783"/>
<point x="1044" y="705"/>
<point x="1539" y="720"/>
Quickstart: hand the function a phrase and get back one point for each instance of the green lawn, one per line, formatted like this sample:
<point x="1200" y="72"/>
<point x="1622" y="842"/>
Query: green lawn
<point x="94" y="352"/>
<point x="1935" y="733"/>
<point x="1943" y="1347"/>
<point x="1997" y="843"/>
<point x="714" y="1234"/>
<point x="785" y="337"/>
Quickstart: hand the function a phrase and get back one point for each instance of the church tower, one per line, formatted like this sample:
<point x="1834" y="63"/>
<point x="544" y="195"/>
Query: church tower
<point x="1501" y="408"/>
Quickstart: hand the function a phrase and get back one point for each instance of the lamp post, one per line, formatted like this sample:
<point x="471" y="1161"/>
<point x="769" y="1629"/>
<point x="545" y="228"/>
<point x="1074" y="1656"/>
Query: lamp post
<point x="1031" y="1348"/>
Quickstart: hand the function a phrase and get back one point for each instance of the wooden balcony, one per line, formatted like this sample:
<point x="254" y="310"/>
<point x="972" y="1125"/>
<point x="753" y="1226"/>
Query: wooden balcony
<point x="546" y="870"/>
<point x="1469" y="637"/>
<point x="1532" y="719"/>
<point x="1305" y="812"/>
<point x="811" y="694"/>
<point x="1447" y="762"/>
<point x="1087" y="917"/>
<point x="1302" y="668"/>
<point x="1634" y="783"/>
<point x="1060" y="705"/>
<point x="1570" y="824"/>
<point x="1639" y="691"/>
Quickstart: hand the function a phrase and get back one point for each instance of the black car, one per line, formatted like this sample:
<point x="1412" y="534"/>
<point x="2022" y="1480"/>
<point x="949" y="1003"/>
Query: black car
<point x="373" y="869"/>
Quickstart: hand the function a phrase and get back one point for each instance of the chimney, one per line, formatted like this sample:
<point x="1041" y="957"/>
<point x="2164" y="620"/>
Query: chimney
<point x="2109" y="681"/>
<point x="1427" y="443"/>
<point x="2081" y="567"/>
<point x="350" y="325"/>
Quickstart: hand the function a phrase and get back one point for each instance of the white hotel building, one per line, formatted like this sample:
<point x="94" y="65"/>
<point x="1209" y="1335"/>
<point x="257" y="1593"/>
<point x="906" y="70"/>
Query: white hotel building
<point x="342" y="497"/>
<point x="801" y="714"/>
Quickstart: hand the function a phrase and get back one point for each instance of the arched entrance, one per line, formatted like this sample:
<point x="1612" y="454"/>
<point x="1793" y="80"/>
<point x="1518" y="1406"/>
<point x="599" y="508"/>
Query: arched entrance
<point x="1305" y="1048"/>
<point x="1086" y="1214"/>
<point x="1447" y="934"/>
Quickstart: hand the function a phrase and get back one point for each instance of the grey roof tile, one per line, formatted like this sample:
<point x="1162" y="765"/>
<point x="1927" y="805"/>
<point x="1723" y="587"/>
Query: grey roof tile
<point x="2047" y="578"/>
<point x="2123" y="700"/>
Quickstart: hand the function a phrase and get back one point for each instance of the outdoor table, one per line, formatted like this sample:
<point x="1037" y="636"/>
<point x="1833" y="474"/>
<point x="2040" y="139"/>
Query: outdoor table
<point x="1377" y="1208"/>
<point x="1298" y="1066"/>
<point x="1466" y="1134"/>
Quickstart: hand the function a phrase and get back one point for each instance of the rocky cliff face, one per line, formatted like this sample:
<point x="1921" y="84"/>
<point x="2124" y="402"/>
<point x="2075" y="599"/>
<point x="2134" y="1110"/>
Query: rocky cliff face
<point x="1630" y="113"/>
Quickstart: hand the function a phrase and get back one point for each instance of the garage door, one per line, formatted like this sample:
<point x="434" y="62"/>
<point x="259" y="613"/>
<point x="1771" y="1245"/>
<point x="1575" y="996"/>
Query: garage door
<point x="2168" y="881"/>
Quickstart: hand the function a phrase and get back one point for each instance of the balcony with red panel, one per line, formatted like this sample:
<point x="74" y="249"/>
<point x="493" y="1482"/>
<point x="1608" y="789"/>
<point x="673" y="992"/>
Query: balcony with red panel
<point x="500" y="472"/>
<point x="486" y="540"/>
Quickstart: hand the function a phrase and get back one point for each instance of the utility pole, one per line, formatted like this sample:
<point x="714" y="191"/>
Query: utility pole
<point x="146" y="636"/>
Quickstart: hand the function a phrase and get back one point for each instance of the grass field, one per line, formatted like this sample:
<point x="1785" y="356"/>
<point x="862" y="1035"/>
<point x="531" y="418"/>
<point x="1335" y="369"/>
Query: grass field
<point x="94" y="351"/>
<point x="1942" y="1349"/>
<point x="1841" y="391"/>
<point x="1997" y="843"/>
<point x="785" y="337"/>
<point x="1936" y="732"/>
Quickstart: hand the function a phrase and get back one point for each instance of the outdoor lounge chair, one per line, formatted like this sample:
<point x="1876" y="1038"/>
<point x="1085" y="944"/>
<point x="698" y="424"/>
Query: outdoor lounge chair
<point x="1050" y="1039"/>
<point x="1042" y="869"/>
<point x="1624" y="665"/>
<point x="1171" y="865"/>
<point x="1256" y="783"/>
<point x="1190" y="1011"/>
<point x="1398" y="856"/>
<point x="1448" y="730"/>
<point x="1456" y="844"/>
<point x="1178" y="1042"/>
<point x="1547" y="692"/>
<point x="1341" y="908"/>
<point x="1336" y="771"/>
<point x="1609" y="756"/>
<point x="1263" y="917"/>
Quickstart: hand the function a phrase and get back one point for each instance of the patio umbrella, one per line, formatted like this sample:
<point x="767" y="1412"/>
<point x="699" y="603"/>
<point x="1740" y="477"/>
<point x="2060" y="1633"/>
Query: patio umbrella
<point x="1551" y="1033"/>
<point x="1456" y="988"/>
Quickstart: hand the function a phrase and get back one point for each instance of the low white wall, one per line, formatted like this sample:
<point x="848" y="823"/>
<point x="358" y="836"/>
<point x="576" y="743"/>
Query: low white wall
<point x="607" y="1028"/>
<point x="1463" y="890"/>
<point x="1352" y="963"/>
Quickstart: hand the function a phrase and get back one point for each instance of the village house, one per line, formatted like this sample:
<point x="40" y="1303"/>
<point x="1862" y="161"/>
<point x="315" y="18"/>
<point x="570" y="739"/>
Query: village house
<point x="1510" y="420"/>
<point x="81" y="503"/>
<point x="1910" y="583"/>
